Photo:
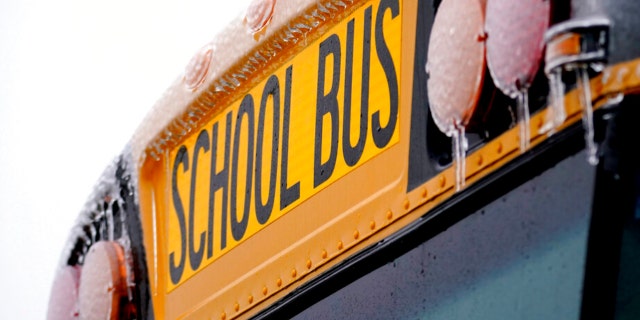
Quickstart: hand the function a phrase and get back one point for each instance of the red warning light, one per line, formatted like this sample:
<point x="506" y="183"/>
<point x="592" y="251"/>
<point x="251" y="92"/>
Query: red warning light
<point x="456" y="62"/>
<point x="63" y="302"/>
<point x="103" y="285"/>
<point x="515" y="46"/>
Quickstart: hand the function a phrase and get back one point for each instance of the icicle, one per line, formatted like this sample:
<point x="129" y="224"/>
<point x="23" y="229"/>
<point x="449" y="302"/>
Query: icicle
<point x="523" y="119"/>
<point x="459" y="155"/>
<point x="110" y="223"/>
<point x="557" y="113"/>
<point x="584" y="88"/>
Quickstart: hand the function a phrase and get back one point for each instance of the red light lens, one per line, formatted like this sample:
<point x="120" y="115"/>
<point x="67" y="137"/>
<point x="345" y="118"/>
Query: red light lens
<point x="515" y="41"/>
<point x="456" y="62"/>
<point x="103" y="286"/>
<point x="63" y="302"/>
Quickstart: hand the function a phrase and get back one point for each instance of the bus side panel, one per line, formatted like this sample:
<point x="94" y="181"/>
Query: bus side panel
<point x="520" y="257"/>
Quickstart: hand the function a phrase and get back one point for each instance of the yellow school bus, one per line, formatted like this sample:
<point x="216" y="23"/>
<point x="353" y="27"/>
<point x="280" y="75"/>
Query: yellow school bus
<point x="383" y="159"/>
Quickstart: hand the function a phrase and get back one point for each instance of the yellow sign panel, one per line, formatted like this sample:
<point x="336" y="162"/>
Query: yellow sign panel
<point x="321" y="115"/>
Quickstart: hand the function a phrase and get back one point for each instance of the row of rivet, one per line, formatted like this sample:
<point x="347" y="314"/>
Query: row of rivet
<point x="340" y="246"/>
<point x="441" y="186"/>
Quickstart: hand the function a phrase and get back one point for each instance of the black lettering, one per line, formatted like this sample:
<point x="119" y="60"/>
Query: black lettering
<point x="382" y="135"/>
<point x="352" y="154"/>
<point x="287" y="194"/>
<point x="195" y="256"/>
<point x="182" y="157"/>
<point x="263" y="210"/>
<point x="327" y="104"/>
<point x="219" y="181"/>
<point x="238" y="227"/>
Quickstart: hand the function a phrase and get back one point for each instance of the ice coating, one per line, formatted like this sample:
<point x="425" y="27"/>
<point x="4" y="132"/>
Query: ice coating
<point x="582" y="81"/>
<point x="515" y="48"/>
<point x="556" y="114"/>
<point x="238" y="63"/>
<point x="522" y="110"/>
<point x="455" y="66"/>
<point x="196" y="70"/>
<point x="578" y="46"/>
<point x="259" y="15"/>
<point x="515" y="43"/>
<point x="105" y="216"/>
<point x="455" y="62"/>
<point x="102" y="284"/>
<point x="63" y="302"/>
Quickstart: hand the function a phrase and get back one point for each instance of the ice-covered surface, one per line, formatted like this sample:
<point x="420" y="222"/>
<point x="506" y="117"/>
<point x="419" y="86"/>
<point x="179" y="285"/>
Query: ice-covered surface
<point x="455" y="62"/>
<point x="239" y="60"/>
<point x="455" y="66"/>
<point x="515" y="47"/>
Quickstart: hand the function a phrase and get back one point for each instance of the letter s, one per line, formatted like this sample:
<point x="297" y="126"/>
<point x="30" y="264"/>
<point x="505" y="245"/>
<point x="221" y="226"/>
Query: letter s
<point x="182" y="157"/>
<point x="382" y="135"/>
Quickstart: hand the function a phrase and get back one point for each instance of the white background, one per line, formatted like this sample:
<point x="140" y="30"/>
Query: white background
<point x="76" y="78"/>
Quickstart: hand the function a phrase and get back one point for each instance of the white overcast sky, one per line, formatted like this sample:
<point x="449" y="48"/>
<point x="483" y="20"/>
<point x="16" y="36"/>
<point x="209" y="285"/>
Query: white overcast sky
<point x="76" y="78"/>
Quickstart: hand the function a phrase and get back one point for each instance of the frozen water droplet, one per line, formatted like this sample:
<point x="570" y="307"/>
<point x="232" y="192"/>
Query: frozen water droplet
<point x="523" y="119"/>
<point x="584" y="89"/>
<point x="556" y="113"/>
<point x="622" y="74"/>
<point x="459" y="155"/>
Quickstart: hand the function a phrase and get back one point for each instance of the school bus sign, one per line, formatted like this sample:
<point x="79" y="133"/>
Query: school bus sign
<point x="304" y="154"/>
<point x="328" y="110"/>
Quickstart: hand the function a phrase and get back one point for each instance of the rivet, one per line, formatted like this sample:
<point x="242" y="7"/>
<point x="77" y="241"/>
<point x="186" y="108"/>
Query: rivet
<point x="250" y="299"/>
<point x="196" y="71"/>
<point x="324" y="254"/>
<point x="406" y="204"/>
<point x="443" y="181"/>
<point x="340" y="245"/>
<point x="499" y="148"/>
<point x="356" y="234"/>
<point x="223" y="316"/>
<point x="265" y="290"/>
<point x="480" y="160"/>
<point x="236" y="307"/>
<point x="372" y="225"/>
<point x="389" y="215"/>
<point x="279" y="282"/>
<point x="425" y="192"/>
<point x="309" y="264"/>
<point x="294" y="273"/>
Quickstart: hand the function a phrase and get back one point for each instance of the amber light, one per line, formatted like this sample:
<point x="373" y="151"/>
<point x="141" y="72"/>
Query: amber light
<point x="259" y="14"/>
<point x="196" y="71"/>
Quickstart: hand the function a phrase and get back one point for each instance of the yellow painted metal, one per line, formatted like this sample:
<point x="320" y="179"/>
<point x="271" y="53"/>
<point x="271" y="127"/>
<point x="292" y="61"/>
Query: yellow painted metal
<point x="354" y="208"/>
<point x="270" y="155"/>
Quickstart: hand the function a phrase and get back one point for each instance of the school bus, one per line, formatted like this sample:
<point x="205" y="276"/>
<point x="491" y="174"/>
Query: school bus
<point x="383" y="159"/>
